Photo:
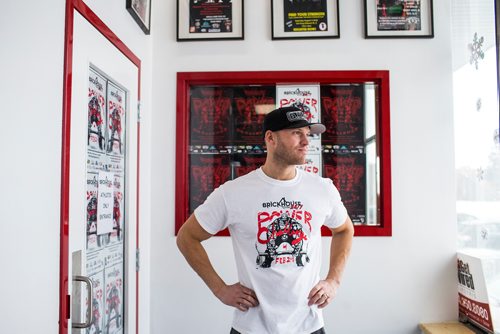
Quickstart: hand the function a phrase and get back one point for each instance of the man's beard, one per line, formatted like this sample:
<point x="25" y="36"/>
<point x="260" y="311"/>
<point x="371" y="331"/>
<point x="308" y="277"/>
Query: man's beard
<point x="288" y="158"/>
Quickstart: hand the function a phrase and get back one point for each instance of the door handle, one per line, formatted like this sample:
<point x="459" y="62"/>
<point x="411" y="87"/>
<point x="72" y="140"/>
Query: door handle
<point x="90" y="308"/>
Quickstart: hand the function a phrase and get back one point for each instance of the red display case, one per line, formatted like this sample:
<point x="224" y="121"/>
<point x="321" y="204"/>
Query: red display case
<point x="219" y="137"/>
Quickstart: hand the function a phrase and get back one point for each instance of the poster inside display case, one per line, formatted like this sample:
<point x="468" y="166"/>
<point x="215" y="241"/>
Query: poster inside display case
<point x="219" y="135"/>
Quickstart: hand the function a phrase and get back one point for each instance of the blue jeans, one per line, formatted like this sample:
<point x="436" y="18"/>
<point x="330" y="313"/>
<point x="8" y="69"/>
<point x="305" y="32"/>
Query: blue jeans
<point x="319" y="331"/>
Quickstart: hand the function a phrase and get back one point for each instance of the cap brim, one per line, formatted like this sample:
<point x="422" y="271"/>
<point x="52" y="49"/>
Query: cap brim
<point x="317" y="128"/>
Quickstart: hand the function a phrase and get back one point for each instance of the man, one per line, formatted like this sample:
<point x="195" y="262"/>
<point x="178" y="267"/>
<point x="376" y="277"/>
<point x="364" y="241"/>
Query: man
<point x="274" y="215"/>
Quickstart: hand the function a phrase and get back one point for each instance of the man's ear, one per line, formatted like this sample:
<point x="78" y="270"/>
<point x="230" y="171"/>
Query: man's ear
<point x="269" y="136"/>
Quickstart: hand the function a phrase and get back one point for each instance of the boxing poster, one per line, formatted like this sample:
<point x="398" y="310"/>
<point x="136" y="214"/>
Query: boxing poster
<point x="95" y="271"/>
<point x="250" y="105"/>
<point x="307" y="99"/>
<point x="342" y="111"/>
<point x="210" y="119"/>
<point x="305" y="15"/>
<point x="210" y="16"/>
<point x="96" y="112"/>
<point x="116" y="119"/>
<point x="207" y="172"/>
<point x="113" y="293"/>
<point x="348" y="173"/>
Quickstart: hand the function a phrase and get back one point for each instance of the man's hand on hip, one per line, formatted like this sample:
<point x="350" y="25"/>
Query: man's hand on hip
<point x="238" y="296"/>
<point x="323" y="293"/>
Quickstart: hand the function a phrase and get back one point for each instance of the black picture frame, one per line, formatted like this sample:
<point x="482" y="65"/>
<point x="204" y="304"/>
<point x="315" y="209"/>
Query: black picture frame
<point x="398" y="19"/>
<point x="141" y="13"/>
<point x="303" y="21"/>
<point x="225" y="22"/>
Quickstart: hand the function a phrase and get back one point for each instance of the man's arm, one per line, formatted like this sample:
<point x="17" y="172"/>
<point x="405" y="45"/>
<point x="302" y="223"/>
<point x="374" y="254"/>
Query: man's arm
<point x="189" y="241"/>
<point x="323" y="292"/>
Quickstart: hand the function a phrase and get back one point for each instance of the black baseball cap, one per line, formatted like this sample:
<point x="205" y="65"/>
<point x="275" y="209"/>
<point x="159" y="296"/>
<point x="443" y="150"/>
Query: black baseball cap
<point x="289" y="118"/>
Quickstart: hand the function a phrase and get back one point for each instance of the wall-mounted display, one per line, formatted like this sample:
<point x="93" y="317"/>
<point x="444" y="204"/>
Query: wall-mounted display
<point x="209" y="20"/>
<point x="219" y="135"/>
<point x="398" y="19"/>
<point x="141" y="12"/>
<point x="305" y="19"/>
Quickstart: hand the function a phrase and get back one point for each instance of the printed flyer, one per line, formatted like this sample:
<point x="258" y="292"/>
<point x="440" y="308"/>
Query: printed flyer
<point x="250" y="106"/>
<point x="113" y="319"/>
<point x="307" y="99"/>
<point x="210" y="119"/>
<point x="343" y="115"/>
<point x="93" y="240"/>
<point x="116" y="235"/>
<point x="473" y="304"/>
<point x="305" y="15"/>
<point x="348" y="175"/>
<point x="398" y="15"/>
<point x="95" y="271"/>
<point x="210" y="16"/>
<point x="116" y="119"/>
<point x="208" y="171"/>
<point x="105" y="203"/>
<point x="96" y="112"/>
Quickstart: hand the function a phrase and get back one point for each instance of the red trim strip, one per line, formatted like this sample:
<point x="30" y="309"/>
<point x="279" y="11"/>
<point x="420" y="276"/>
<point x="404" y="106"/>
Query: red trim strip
<point x="96" y="22"/>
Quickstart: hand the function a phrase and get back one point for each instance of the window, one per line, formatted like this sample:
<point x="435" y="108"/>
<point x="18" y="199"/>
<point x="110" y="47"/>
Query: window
<point x="477" y="143"/>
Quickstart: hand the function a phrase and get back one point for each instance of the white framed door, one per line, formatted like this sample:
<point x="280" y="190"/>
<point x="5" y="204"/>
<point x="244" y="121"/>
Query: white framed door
<point x="99" y="208"/>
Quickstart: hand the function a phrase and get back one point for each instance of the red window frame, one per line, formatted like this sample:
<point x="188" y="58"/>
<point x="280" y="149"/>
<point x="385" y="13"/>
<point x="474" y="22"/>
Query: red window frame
<point x="185" y="80"/>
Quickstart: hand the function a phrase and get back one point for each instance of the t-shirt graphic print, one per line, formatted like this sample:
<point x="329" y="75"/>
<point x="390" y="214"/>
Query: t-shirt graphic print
<point x="282" y="235"/>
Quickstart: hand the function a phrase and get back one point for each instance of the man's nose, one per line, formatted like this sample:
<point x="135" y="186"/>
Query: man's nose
<point x="304" y="139"/>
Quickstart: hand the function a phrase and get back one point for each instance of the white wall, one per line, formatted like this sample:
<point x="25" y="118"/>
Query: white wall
<point x="390" y="284"/>
<point x="31" y="64"/>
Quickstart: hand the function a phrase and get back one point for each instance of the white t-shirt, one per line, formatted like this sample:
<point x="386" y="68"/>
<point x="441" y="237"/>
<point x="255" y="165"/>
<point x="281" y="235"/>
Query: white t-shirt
<point x="276" y="231"/>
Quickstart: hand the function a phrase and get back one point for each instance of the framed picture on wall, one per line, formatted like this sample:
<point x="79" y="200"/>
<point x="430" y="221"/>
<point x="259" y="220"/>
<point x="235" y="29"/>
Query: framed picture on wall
<point x="199" y="20"/>
<point x="141" y="12"/>
<point x="305" y="19"/>
<point x="398" y="19"/>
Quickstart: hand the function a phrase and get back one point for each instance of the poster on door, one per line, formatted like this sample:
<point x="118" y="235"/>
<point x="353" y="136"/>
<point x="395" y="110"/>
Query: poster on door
<point x="95" y="271"/>
<point x="116" y="234"/>
<point x="116" y="119"/>
<point x="113" y="298"/>
<point x="105" y="203"/>
<point x="96" y="110"/>
<point x="91" y="211"/>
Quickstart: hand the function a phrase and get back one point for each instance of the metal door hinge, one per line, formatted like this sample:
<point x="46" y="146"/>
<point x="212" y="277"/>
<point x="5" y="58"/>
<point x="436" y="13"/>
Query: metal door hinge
<point x="138" y="111"/>
<point x="137" y="259"/>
